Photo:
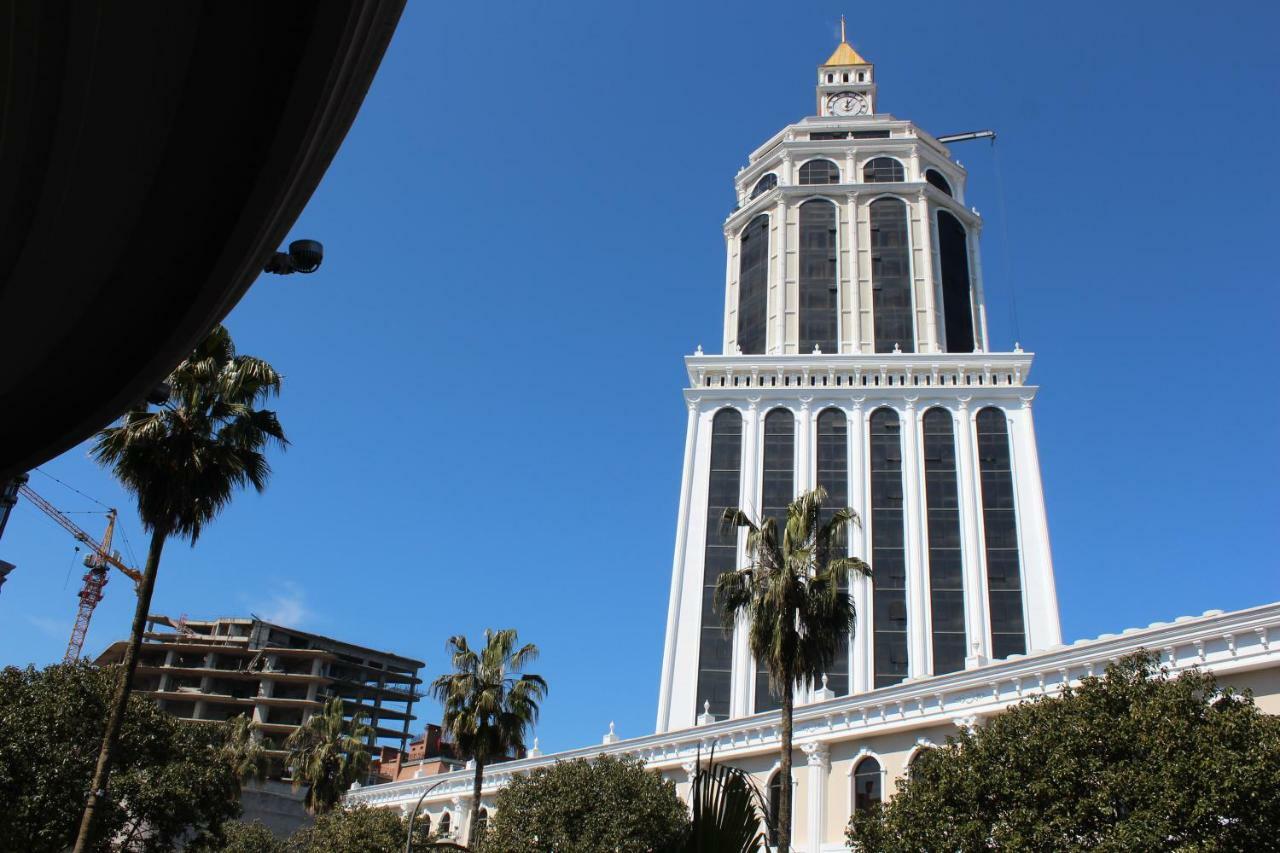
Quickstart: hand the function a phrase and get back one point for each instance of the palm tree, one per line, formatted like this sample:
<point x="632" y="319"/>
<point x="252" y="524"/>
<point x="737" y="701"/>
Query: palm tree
<point x="183" y="462"/>
<point x="487" y="709"/>
<point x="242" y="752"/>
<point x="794" y="599"/>
<point x="328" y="753"/>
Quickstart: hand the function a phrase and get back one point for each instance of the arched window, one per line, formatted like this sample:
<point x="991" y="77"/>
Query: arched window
<point x="819" y="172"/>
<point x="715" y="651"/>
<point x="914" y="761"/>
<point x="891" y="276"/>
<point x="831" y="458"/>
<point x="866" y="784"/>
<point x="443" y="831"/>
<point x="1000" y="532"/>
<point x="753" y="285"/>
<point x="765" y="184"/>
<point x="946" y="569"/>
<point x="775" y="803"/>
<point x="888" y="557"/>
<point x="482" y="821"/>
<point x="957" y="300"/>
<point x="818" y="309"/>
<point x="883" y="170"/>
<point x="936" y="178"/>
<point x="777" y="490"/>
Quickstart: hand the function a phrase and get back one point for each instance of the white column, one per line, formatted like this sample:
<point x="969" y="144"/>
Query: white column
<point x="1040" y="595"/>
<point x="859" y="541"/>
<point x="981" y="341"/>
<point x="925" y="275"/>
<point x="818" y="758"/>
<point x="677" y="570"/>
<point x="853" y="333"/>
<point x="977" y="650"/>
<point x="913" y="514"/>
<point x="804" y="448"/>
<point x="742" y="681"/>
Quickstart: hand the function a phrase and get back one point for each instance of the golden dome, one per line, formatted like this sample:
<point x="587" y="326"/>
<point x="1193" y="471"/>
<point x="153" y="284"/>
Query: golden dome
<point x="845" y="55"/>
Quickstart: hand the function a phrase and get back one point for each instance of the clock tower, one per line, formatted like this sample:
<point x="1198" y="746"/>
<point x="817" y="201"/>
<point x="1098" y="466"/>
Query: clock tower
<point x="846" y="82"/>
<point x="856" y="357"/>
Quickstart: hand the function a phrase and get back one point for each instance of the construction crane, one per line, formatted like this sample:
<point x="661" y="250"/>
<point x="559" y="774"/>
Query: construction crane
<point x="98" y="560"/>
<point x="965" y="137"/>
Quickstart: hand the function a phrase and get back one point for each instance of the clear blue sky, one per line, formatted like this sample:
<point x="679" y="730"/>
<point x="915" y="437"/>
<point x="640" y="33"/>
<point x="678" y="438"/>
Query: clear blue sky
<point x="523" y="238"/>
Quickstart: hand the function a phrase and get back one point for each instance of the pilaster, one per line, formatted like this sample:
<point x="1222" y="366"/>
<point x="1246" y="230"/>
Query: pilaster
<point x="860" y="587"/>
<point x="1040" y="597"/>
<point x="742" y="681"/>
<point x="913" y="515"/>
<point x="977" y="649"/>
<point x="818" y="759"/>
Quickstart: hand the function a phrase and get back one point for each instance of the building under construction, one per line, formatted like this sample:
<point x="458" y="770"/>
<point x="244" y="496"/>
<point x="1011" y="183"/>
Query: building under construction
<point x="279" y="677"/>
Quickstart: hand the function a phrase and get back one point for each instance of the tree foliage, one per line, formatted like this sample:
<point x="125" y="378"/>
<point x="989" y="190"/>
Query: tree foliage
<point x="488" y="710"/>
<point x="327" y="753"/>
<point x="600" y="806"/>
<point x="728" y="812"/>
<point x="163" y="783"/>
<point x="359" y="829"/>
<point x="794" y="595"/>
<point x="1134" y="760"/>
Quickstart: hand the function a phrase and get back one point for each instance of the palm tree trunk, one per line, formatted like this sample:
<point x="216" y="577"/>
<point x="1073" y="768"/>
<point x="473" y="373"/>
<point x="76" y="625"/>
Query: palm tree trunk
<point x="784" y="787"/>
<point x="120" y="701"/>
<point x="475" y="802"/>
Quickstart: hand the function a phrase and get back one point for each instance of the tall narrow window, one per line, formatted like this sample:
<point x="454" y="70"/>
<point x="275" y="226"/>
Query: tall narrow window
<point x="445" y="825"/>
<point x="775" y="802"/>
<point x="888" y="556"/>
<point x="715" y="652"/>
<point x="765" y="184"/>
<point x="883" y="170"/>
<point x="957" y="301"/>
<point x="819" y="172"/>
<point x="818" y="276"/>
<point x="753" y="285"/>
<point x="891" y="276"/>
<point x="946" y="584"/>
<point x="777" y="490"/>
<point x="832" y="464"/>
<point x="1000" y="530"/>
<point x="866" y="784"/>
<point x="936" y="178"/>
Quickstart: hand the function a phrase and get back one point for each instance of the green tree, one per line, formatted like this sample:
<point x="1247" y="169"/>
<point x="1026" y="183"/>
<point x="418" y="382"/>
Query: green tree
<point x="328" y="753"/>
<point x="794" y="598"/>
<point x="51" y="721"/>
<point x="183" y="462"/>
<point x="242" y="837"/>
<point x="1134" y="760"/>
<point x="487" y="708"/>
<point x="244" y="753"/>
<point x="356" y="830"/>
<point x="600" y="806"/>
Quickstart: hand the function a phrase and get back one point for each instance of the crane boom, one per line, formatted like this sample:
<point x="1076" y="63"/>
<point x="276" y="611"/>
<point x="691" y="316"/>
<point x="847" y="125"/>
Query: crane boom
<point x="965" y="137"/>
<point x="98" y="561"/>
<point x="74" y="529"/>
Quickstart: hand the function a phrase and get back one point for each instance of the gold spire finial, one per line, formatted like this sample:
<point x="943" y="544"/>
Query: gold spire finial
<point x="842" y="38"/>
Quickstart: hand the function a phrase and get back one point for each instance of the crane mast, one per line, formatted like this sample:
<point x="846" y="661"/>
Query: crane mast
<point x="98" y="561"/>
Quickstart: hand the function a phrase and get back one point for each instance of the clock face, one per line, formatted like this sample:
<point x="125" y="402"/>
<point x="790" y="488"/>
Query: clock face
<point x="847" y="104"/>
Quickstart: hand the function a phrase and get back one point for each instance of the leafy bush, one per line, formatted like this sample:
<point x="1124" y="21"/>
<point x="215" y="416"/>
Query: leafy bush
<point x="164" y="783"/>
<point x="356" y="830"/>
<point x="608" y="804"/>
<point x="1134" y="760"/>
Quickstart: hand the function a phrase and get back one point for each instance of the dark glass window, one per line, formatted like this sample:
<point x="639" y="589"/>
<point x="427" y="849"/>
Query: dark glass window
<point x="765" y="184"/>
<point x="753" y="285"/>
<point x="888" y="555"/>
<point x="818" y="309"/>
<point x="957" y="303"/>
<point x="1000" y="529"/>
<point x="775" y="800"/>
<point x="883" y="170"/>
<point x="444" y="825"/>
<point x="866" y="784"/>
<point x="777" y="490"/>
<point x="891" y="276"/>
<point x="832" y="464"/>
<point x="819" y="172"/>
<point x="946" y="566"/>
<point x="482" y="820"/>
<point x="715" y="652"/>
<point x="936" y="178"/>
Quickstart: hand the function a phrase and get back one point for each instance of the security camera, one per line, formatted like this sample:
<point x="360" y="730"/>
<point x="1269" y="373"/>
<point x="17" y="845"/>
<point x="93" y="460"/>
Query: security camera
<point x="304" y="256"/>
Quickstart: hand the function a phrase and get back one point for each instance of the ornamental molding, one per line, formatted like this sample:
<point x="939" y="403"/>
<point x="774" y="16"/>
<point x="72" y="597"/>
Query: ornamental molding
<point x="817" y="753"/>
<point x="1217" y="642"/>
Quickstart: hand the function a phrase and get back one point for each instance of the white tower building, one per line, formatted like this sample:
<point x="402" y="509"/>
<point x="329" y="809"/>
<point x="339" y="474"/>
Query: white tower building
<point x="856" y="357"/>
